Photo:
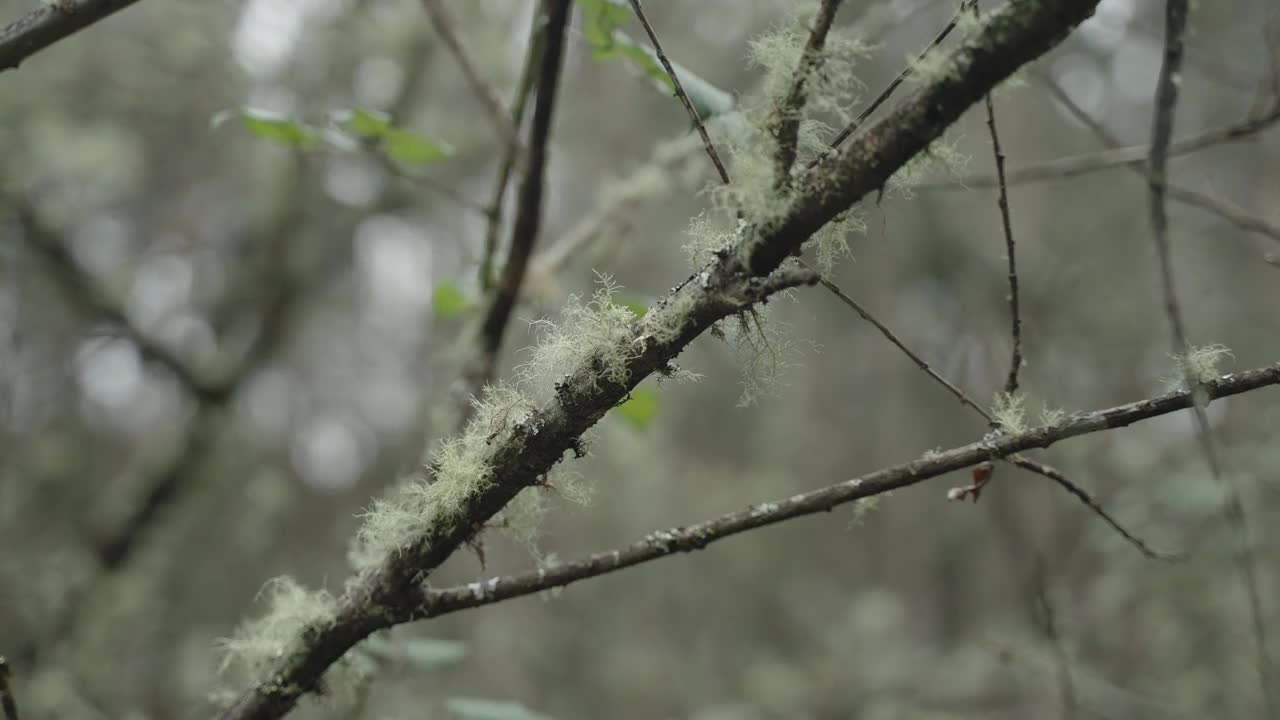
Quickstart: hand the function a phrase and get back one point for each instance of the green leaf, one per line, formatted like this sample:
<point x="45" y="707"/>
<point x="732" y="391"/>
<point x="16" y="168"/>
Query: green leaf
<point x="640" y="409"/>
<point x="448" y="301"/>
<point x="365" y="123"/>
<point x="480" y="709"/>
<point x="271" y="127"/>
<point x="411" y="149"/>
<point x="636" y="305"/>
<point x="599" y="19"/>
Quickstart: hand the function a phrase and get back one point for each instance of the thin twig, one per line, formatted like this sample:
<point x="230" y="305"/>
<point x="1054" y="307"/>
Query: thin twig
<point x="662" y="543"/>
<point x="787" y="116"/>
<point x="49" y="23"/>
<point x="1117" y="156"/>
<point x="528" y="219"/>
<point x="684" y="98"/>
<point x="1084" y="496"/>
<point x="1002" y="200"/>
<point x="1225" y="210"/>
<point x="443" y="25"/>
<point x="884" y="95"/>
<point x="524" y="90"/>
<point x="1166" y="101"/>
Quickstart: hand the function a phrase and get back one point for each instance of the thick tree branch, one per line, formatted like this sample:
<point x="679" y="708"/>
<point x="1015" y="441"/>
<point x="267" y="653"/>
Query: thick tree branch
<point x="48" y="24"/>
<point x="659" y="544"/>
<point x="386" y="595"/>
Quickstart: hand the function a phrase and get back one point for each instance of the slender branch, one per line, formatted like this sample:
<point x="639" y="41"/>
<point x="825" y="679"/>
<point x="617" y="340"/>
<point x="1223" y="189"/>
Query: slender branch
<point x="524" y="90"/>
<point x="386" y="594"/>
<point x="1221" y="208"/>
<point x="443" y="25"/>
<point x="786" y="121"/>
<point x="662" y="543"/>
<point x="1002" y="200"/>
<point x="1025" y="463"/>
<point x="1162" y="133"/>
<point x="7" y="702"/>
<point x="48" y="24"/>
<point x="1165" y="105"/>
<point x="528" y="218"/>
<point x="1119" y="156"/>
<point x="889" y="89"/>
<point x="684" y="98"/>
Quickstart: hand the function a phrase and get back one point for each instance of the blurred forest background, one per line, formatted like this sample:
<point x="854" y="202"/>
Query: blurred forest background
<point x="322" y="299"/>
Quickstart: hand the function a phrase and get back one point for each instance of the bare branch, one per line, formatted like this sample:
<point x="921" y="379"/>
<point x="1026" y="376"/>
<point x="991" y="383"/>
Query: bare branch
<point x="684" y="98"/>
<point x="48" y="24"/>
<point x="1002" y="200"/>
<point x="1223" y="209"/>
<point x="662" y="543"/>
<point x="1025" y="463"/>
<point x="1119" y="156"/>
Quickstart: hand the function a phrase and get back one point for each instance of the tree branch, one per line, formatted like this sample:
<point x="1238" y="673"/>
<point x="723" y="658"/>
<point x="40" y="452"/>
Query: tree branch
<point x="48" y="24"/>
<point x="680" y="93"/>
<point x="662" y="543"/>
<point x="386" y="595"/>
<point x="528" y="218"/>
<point x="786" y="120"/>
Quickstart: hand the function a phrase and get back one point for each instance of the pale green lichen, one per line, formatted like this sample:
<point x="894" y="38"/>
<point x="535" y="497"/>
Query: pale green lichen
<point x="1009" y="410"/>
<point x="1197" y="366"/>
<point x="251" y="655"/>
<point x="461" y="466"/>
<point x="594" y="334"/>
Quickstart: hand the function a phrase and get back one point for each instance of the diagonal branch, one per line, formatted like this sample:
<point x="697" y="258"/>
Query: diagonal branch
<point x="662" y="543"/>
<point x="7" y="701"/>
<point x="680" y="93"/>
<point x="1225" y="210"/>
<point x="1118" y="156"/>
<point x="385" y="594"/>
<point x="48" y="24"/>
<point x="443" y="25"/>
<point x="1025" y="463"/>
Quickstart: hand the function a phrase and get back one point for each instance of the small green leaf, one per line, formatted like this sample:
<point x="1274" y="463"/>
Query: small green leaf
<point x="448" y="301"/>
<point x="636" y="305"/>
<point x="411" y="149"/>
<point x="480" y="709"/>
<point x="599" y="19"/>
<point x="365" y="123"/>
<point x="640" y="409"/>
<point x="272" y="127"/>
